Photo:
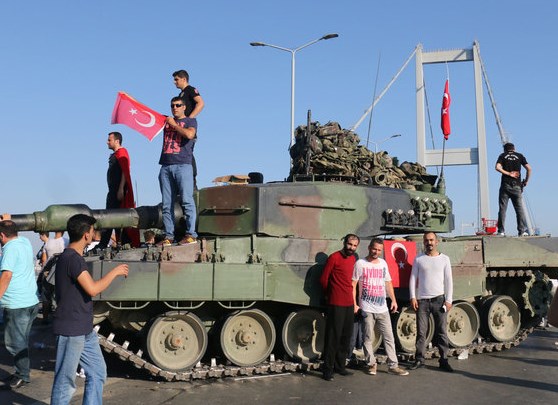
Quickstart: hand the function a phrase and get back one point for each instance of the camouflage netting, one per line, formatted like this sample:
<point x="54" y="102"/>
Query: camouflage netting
<point x="336" y="154"/>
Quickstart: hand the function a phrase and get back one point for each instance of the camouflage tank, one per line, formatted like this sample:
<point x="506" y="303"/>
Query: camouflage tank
<point x="249" y="287"/>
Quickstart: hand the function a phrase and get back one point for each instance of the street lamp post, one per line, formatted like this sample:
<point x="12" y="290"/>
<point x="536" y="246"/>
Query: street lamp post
<point x="293" y="52"/>
<point x="377" y="144"/>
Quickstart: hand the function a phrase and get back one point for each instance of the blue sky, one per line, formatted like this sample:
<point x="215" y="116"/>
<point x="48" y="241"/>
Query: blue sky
<point x="63" y="63"/>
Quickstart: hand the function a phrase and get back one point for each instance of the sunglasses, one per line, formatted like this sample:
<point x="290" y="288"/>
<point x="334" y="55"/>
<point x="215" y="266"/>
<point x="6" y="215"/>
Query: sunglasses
<point x="176" y="105"/>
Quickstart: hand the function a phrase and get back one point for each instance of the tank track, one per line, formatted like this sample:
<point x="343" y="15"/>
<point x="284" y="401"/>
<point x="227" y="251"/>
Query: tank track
<point x="203" y="371"/>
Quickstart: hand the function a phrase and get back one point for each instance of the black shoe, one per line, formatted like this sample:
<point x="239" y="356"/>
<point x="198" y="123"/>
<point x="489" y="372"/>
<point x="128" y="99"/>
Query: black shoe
<point x="353" y="363"/>
<point x="328" y="376"/>
<point x="344" y="372"/>
<point x="17" y="382"/>
<point x="444" y="365"/>
<point x="416" y="364"/>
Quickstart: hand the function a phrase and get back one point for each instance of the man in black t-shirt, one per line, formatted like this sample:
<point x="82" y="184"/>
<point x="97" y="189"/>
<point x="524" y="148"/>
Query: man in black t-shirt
<point x="190" y="95"/>
<point x="120" y="191"/>
<point x="509" y="164"/>
<point x="77" y="343"/>
<point x="194" y="105"/>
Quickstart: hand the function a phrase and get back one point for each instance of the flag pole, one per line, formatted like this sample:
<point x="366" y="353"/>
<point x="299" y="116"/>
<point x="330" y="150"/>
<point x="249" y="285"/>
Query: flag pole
<point x="441" y="185"/>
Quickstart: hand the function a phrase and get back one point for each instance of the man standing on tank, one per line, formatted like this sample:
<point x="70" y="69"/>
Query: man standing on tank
<point x="120" y="191"/>
<point x="431" y="292"/>
<point x="76" y="341"/>
<point x="194" y="105"/>
<point x="511" y="187"/>
<point x="176" y="174"/>
<point x="336" y="281"/>
<point x="18" y="296"/>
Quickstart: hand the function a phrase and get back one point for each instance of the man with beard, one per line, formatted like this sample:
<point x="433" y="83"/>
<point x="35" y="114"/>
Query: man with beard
<point x="336" y="280"/>
<point x="120" y="192"/>
<point x="431" y="291"/>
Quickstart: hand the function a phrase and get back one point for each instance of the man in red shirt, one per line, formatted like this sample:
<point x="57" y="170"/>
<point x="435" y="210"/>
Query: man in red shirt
<point x="336" y="280"/>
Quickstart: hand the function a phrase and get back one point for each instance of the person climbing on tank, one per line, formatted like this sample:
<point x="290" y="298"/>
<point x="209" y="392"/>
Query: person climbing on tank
<point x="431" y="292"/>
<point x="336" y="281"/>
<point x="511" y="187"/>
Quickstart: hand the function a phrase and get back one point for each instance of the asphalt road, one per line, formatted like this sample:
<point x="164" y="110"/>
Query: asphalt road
<point x="524" y="374"/>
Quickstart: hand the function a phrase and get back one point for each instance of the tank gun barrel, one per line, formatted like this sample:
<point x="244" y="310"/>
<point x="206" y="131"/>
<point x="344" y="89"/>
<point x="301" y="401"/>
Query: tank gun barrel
<point x="55" y="217"/>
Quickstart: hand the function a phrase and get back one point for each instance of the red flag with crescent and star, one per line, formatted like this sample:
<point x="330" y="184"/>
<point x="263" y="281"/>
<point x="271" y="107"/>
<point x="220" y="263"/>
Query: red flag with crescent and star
<point x="446" y="101"/>
<point x="400" y="256"/>
<point x="132" y="113"/>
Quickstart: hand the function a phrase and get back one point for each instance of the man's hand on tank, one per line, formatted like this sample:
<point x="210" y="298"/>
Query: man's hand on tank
<point x="5" y="217"/>
<point x="121" y="270"/>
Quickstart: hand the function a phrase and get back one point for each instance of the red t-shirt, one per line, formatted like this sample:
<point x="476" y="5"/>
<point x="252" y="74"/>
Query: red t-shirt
<point x="337" y="279"/>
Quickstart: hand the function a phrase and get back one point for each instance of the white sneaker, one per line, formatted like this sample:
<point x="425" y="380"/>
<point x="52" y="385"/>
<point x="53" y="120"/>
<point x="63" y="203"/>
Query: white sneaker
<point x="524" y="234"/>
<point x="501" y="233"/>
<point x="81" y="373"/>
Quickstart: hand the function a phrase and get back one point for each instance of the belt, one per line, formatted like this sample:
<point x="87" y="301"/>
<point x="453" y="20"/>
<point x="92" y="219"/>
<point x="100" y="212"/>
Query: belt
<point x="432" y="299"/>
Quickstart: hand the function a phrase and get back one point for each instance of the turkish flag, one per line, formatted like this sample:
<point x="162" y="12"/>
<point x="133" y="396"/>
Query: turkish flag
<point x="137" y="116"/>
<point x="400" y="256"/>
<point x="446" y="130"/>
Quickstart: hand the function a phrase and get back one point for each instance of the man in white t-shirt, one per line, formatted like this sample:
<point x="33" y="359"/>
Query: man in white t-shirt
<point x="54" y="246"/>
<point x="431" y="292"/>
<point x="373" y="279"/>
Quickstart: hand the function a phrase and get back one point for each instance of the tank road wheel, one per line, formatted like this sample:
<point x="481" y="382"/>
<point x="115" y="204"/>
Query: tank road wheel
<point x="247" y="337"/>
<point x="100" y="312"/>
<point x="303" y="334"/>
<point x="176" y="341"/>
<point x="500" y="318"/>
<point x="406" y="330"/>
<point x="463" y="324"/>
<point x="538" y="294"/>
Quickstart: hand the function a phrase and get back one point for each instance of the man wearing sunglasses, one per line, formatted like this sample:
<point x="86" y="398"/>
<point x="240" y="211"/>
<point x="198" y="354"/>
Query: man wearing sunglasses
<point x="176" y="174"/>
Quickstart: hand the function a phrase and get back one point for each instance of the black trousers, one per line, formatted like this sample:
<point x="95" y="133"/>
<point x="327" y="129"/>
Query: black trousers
<point x="112" y="202"/>
<point x="440" y="339"/>
<point x="339" y="329"/>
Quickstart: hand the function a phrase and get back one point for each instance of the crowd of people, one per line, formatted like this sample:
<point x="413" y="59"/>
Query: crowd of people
<point x="77" y="343"/>
<point x="360" y="293"/>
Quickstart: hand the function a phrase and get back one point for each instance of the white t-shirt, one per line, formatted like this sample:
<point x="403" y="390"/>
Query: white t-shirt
<point x="372" y="279"/>
<point x="54" y="246"/>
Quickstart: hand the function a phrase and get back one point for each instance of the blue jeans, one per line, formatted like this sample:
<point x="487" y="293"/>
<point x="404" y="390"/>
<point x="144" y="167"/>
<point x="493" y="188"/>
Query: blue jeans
<point x="514" y="193"/>
<point x="17" y="326"/>
<point x="178" y="180"/>
<point x="72" y="351"/>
